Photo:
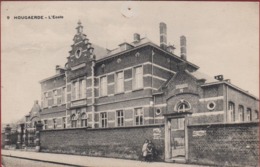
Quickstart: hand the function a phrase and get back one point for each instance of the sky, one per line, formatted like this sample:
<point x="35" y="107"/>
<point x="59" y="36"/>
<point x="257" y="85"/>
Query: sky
<point x="222" y="38"/>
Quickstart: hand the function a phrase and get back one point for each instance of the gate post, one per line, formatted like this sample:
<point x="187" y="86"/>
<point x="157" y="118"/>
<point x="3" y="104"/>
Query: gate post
<point x="39" y="126"/>
<point x="19" y="139"/>
<point x="25" y="142"/>
<point x="7" y="136"/>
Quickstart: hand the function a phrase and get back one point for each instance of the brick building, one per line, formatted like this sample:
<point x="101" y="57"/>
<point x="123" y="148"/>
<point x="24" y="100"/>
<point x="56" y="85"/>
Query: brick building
<point x="137" y="84"/>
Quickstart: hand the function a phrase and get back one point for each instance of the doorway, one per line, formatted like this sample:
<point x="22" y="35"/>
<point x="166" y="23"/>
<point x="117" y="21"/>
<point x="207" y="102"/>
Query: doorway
<point x="176" y="137"/>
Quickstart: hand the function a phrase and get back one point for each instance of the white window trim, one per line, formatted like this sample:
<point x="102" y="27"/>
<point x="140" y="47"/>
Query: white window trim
<point x="116" y="123"/>
<point x="101" y="85"/>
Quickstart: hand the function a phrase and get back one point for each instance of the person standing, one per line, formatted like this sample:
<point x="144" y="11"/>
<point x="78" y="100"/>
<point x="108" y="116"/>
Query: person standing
<point x="144" y="150"/>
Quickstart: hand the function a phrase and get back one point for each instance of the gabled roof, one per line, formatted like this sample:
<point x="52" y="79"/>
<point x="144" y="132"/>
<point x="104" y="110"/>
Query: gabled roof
<point x="101" y="52"/>
<point x="196" y="75"/>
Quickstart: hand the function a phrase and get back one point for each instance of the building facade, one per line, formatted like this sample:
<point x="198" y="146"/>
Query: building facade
<point x="137" y="84"/>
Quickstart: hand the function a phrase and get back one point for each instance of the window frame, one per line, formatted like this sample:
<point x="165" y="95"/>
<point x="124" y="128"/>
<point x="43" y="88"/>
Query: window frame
<point x="64" y="123"/>
<point x="105" y="86"/>
<point x="54" y="120"/>
<point x="241" y="113"/>
<point x="105" y="125"/>
<point x="74" y="121"/>
<point x="84" y="120"/>
<point x="139" y="116"/>
<point x="45" y="126"/>
<point x="231" y="112"/>
<point x="120" y="119"/>
<point x="249" y="114"/>
<point x="134" y="82"/>
<point x="117" y="83"/>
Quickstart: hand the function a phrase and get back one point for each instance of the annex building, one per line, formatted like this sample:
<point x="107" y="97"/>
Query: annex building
<point x="135" y="86"/>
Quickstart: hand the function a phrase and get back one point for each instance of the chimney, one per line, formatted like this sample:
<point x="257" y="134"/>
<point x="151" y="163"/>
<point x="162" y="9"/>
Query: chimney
<point x="136" y="37"/>
<point x="57" y="69"/>
<point x="183" y="47"/>
<point x="163" y="36"/>
<point x="219" y="77"/>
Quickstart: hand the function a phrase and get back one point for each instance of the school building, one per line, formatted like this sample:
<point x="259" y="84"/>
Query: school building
<point x="135" y="89"/>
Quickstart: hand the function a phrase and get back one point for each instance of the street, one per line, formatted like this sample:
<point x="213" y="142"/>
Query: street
<point x="17" y="162"/>
<point x="39" y="159"/>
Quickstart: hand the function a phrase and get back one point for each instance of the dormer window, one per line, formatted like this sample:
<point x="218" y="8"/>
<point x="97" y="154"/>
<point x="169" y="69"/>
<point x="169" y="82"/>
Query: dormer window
<point x="125" y="46"/>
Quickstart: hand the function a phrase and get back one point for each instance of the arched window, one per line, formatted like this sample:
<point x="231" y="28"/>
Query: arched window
<point x="183" y="106"/>
<point x="231" y="112"/>
<point x="84" y="120"/>
<point x="256" y="115"/>
<point x="249" y="114"/>
<point x="73" y="121"/>
<point x="241" y="113"/>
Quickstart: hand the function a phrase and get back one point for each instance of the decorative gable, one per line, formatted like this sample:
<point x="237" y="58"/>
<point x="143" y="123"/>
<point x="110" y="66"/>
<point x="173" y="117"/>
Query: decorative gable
<point x="182" y="82"/>
<point x="82" y="50"/>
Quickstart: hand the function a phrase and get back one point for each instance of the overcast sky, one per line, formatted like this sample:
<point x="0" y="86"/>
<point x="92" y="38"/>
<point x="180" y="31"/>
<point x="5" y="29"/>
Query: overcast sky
<point x="222" y="38"/>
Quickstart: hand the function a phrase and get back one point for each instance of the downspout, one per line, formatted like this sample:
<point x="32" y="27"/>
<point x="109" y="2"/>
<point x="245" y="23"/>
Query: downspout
<point x="93" y="94"/>
<point x="65" y="98"/>
<point x="152" y="91"/>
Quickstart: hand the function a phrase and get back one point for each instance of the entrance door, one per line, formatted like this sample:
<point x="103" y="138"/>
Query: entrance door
<point x="178" y="137"/>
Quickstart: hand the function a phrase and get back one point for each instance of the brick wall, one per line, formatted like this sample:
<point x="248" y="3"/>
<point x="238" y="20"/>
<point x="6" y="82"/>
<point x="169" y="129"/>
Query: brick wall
<point x="224" y="144"/>
<point x="124" y="142"/>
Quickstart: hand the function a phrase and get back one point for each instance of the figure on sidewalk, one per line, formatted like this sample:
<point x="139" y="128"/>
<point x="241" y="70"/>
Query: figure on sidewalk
<point x="144" y="150"/>
<point x="150" y="151"/>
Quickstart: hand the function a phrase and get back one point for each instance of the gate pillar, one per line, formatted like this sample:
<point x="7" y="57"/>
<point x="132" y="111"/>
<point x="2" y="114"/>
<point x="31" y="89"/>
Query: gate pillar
<point x="7" y="136"/>
<point x="39" y="126"/>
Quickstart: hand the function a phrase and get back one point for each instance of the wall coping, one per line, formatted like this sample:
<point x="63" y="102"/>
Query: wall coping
<point x="110" y="128"/>
<point x="226" y="124"/>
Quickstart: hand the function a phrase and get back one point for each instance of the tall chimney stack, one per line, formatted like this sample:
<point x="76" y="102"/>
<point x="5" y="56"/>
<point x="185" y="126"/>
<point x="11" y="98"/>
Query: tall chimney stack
<point x="183" y="47"/>
<point x="163" y="36"/>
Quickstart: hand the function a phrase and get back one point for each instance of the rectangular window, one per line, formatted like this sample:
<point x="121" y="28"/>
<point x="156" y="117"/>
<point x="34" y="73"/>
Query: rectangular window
<point x="77" y="90"/>
<point x="83" y="88"/>
<point x="138" y="77"/>
<point x="119" y="82"/>
<point x="249" y="114"/>
<point x="84" y="123"/>
<point x="103" y="86"/>
<point x="120" y="117"/>
<point x="256" y="114"/>
<point x="80" y="90"/>
<point x="54" y="123"/>
<point x="73" y="91"/>
<point x="84" y="120"/>
<point x="139" y="116"/>
<point x="103" y="119"/>
<point x="73" y="123"/>
<point x="45" y="99"/>
<point x="45" y="126"/>
<point x="63" y="95"/>
<point x="231" y="111"/>
<point x="241" y="113"/>
<point x="64" y="122"/>
<point x="55" y="97"/>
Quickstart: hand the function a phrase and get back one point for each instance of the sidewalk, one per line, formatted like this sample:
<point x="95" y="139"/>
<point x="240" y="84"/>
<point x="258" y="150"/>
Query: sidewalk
<point x="88" y="161"/>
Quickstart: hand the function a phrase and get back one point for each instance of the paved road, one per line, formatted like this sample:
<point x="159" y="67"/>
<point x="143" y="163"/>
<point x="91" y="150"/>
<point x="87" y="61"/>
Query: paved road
<point x="17" y="162"/>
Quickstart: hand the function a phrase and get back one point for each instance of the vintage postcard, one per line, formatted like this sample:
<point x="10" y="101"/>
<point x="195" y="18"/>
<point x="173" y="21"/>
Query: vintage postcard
<point x="129" y="83"/>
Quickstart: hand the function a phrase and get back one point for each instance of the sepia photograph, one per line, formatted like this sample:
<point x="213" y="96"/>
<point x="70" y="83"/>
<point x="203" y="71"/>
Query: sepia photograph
<point x="129" y="84"/>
